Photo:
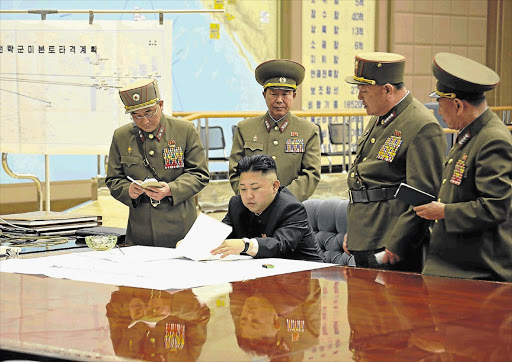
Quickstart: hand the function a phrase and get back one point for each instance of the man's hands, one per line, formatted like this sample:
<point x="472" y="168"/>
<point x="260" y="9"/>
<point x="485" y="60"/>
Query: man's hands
<point x="229" y="247"/>
<point x="156" y="193"/>
<point x="389" y="256"/>
<point x="431" y="211"/>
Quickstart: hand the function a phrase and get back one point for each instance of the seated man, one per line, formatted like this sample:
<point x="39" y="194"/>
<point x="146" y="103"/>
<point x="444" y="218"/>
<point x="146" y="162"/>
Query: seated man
<point x="267" y="220"/>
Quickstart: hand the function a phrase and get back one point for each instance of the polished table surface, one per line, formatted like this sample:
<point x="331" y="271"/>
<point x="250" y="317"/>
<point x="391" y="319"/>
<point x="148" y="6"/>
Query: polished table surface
<point x="331" y="314"/>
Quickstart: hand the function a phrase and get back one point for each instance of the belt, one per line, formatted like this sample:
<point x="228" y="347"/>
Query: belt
<point x="146" y="199"/>
<point x="385" y="193"/>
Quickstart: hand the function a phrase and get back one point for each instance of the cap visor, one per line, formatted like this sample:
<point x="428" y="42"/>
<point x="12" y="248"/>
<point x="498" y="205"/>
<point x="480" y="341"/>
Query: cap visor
<point x="283" y="87"/>
<point x="434" y="95"/>
<point x="141" y="107"/>
<point x="350" y="79"/>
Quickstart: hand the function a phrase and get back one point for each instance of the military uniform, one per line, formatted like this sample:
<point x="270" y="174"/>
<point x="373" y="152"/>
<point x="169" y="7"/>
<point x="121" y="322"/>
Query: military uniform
<point x="474" y="240"/>
<point x="406" y="145"/>
<point x="292" y="142"/>
<point x="175" y="151"/>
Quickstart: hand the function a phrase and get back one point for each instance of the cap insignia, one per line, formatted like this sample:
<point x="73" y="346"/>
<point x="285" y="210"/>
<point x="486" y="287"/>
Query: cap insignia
<point x="379" y="65"/>
<point x="282" y="80"/>
<point x="136" y="97"/>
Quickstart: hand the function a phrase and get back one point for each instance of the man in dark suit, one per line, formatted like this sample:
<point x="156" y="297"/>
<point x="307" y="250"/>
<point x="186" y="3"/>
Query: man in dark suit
<point x="267" y="220"/>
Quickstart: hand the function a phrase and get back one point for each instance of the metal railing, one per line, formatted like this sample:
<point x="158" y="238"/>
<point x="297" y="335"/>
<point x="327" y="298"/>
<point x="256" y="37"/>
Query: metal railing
<point x="349" y="117"/>
<point x="504" y="112"/>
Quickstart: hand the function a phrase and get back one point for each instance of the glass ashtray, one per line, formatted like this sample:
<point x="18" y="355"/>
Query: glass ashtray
<point x="101" y="242"/>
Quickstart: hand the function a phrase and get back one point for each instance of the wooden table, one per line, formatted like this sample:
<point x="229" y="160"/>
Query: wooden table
<point x="332" y="314"/>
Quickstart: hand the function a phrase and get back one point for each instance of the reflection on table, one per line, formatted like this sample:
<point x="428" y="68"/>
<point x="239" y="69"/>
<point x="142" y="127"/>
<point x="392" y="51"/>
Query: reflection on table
<point x="332" y="314"/>
<point x="157" y="325"/>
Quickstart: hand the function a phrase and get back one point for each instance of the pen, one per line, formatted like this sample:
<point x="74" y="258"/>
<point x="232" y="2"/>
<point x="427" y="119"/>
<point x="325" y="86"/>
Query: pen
<point x="132" y="180"/>
<point x="119" y="249"/>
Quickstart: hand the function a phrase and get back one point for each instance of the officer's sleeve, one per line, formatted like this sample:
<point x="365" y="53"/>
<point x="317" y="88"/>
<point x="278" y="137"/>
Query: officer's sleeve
<point x="237" y="152"/>
<point x="305" y="184"/>
<point x="195" y="174"/>
<point x="116" y="180"/>
<point x="493" y="181"/>
<point x="424" y="168"/>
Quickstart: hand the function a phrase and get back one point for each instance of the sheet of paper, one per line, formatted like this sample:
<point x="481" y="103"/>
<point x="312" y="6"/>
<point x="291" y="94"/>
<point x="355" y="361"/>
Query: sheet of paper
<point x="162" y="274"/>
<point x="206" y="234"/>
<point x="137" y="253"/>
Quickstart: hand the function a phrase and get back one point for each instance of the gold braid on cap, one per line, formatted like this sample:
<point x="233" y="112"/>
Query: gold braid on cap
<point x="156" y="100"/>
<point x="280" y="85"/>
<point x="364" y="80"/>
<point x="445" y="95"/>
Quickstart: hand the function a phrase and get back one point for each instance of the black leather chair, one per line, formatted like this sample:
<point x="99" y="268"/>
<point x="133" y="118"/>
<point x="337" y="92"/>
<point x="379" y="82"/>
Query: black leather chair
<point x="328" y="219"/>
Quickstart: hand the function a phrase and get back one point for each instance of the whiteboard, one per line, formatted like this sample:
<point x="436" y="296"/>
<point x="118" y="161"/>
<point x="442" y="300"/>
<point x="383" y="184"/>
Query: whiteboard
<point x="59" y="81"/>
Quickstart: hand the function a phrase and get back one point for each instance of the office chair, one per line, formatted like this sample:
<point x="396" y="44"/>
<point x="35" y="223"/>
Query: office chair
<point x="339" y="134"/>
<point x="328" y="219"/>
<point x="323" y="152"/>
<point x="216" y="141"/>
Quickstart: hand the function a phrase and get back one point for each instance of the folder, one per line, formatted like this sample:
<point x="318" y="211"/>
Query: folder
<point x="413" y="196"/>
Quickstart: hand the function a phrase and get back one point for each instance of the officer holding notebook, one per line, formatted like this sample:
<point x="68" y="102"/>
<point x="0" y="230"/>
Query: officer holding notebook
<point x="161" y="147"/>
<point x="472" y="233"/>
<point x="403" y="142"/>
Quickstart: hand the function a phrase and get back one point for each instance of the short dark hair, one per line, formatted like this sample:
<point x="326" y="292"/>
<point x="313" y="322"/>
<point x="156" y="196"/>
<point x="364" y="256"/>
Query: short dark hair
<point x="255" y="163"/>
<point x="399" y="85"/>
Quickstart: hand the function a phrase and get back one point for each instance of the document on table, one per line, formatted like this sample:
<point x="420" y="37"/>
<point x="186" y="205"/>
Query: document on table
<point x="206" y="234"/>
<point x="162" y="274"/>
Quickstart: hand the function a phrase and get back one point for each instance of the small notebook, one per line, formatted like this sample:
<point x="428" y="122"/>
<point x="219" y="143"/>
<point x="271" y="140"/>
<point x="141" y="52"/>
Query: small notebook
<point x="413" y="196"/>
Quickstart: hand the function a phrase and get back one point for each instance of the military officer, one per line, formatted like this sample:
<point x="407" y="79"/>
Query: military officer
<point x="292" y="142"/>
<point x="155" y="146"/>
<point x="472" y="234"/>
<point x="403" y="142"/>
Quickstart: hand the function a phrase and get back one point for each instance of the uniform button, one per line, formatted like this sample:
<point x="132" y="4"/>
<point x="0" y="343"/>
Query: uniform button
<point x="364" y="159"/>
<point x="439" y="200"/>
<point x="352" y="174"/>
<point x="444" y="181"/>
<point x="152" y="340"/>
<point x="151" y="135"/>
<point x="276" y="128"/>
<point x="276" y="143"/>
<point x="372" y="140"/>
<point x="450" y="160"/>
<point x="437" y="221"/>
<point x="151" y="153"/>
<point x="274" y="157"/>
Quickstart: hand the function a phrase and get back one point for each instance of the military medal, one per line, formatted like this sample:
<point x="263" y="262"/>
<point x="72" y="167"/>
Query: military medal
<point x="295" y="326"/>
<point x="294" y="145"/>
<point x="174" y="336"/>
<point x="129" y="150"/>
<point x="173" y="156"/>
<point x="390" y="148"/>
<point x="294" y="134"/>
<point x="458" y="171"/>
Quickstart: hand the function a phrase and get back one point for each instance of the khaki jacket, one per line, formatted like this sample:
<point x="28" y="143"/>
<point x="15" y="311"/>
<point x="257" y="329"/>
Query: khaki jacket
<point x="474" y="240"/>
<point x="167" y="223"/>
<point x="294" y="144"/>
<point x="418" y="161"/>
